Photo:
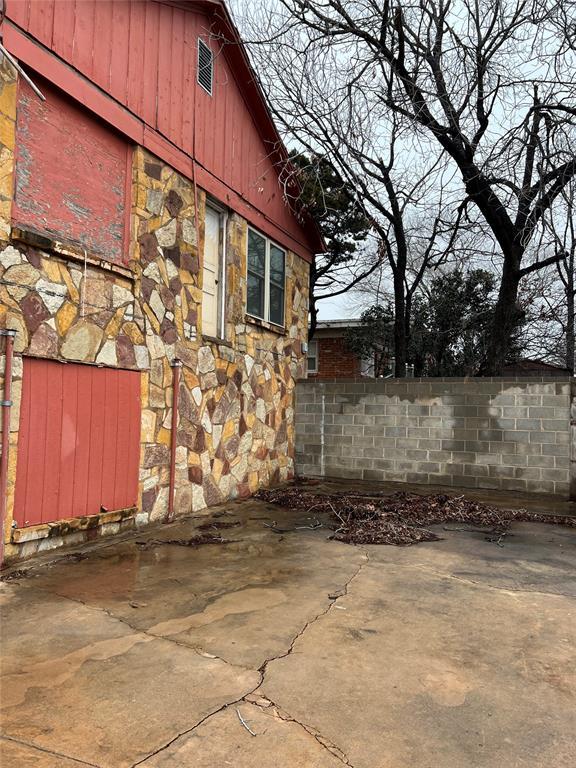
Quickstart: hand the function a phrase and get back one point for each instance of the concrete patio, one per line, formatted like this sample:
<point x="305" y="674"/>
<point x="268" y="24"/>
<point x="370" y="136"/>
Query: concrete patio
<point x="287" y="649"/>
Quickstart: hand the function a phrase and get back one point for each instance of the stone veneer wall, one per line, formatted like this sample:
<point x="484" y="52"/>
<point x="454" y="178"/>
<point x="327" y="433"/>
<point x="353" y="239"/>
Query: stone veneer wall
<point x="236" y="415"/>
<point x="512" y="434"/>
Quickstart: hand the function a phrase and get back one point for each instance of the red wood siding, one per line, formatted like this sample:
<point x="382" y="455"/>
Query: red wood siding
<point x="143" y="53"/>
<point x="79" y="441"/>
<point x="70" y="174"/>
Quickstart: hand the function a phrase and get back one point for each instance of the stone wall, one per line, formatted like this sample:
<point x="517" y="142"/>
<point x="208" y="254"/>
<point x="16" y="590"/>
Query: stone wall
<point x="236" y="415"/>
<point x="511" y="434"/>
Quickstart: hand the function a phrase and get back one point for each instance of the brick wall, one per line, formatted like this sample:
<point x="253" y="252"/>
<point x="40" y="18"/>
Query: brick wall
<point x="511" y="434"/>
<point x="335" y="360"/>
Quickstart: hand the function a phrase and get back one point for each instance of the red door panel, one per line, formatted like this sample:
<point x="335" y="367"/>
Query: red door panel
<point x="79" y="441"/>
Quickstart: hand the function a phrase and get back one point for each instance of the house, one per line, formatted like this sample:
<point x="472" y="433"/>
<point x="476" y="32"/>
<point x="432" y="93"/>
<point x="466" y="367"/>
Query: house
<point x="329" y="357"/>
<point x="153" y="279"/>
<point x="534" y="367"/>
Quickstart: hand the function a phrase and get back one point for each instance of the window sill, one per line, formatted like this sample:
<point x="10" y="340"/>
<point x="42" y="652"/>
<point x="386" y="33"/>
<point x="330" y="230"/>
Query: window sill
<point x="280" y="330"/>
<point x="216" y="340"/>
<point x="68" y="251"/>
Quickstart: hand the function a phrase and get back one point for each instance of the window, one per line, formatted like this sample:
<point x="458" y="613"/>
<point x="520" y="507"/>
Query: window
<point x="266" y="273"/>
<point x="312" y="357"/>
<point x="205" y="66"/>
<point x="213" y="272"/>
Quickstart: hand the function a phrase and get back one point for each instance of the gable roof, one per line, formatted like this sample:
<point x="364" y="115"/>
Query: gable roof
<point x="249" y="84"/>
<point x="142" y="89"/>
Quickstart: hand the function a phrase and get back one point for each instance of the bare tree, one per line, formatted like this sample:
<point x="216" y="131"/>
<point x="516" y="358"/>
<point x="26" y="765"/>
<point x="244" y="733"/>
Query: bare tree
<point x="486" y="82"/>
<point x="396" y="183"/>
<point x="561" y="303"/>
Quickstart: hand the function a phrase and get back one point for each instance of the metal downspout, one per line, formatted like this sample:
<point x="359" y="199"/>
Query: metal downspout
<point x="176" y="368"/>
<point x="6" y="404"/>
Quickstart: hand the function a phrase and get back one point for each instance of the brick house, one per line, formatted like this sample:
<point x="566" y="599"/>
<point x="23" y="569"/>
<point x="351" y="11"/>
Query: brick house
<point x="144" y="242"/>
<point x="329" y="357"/>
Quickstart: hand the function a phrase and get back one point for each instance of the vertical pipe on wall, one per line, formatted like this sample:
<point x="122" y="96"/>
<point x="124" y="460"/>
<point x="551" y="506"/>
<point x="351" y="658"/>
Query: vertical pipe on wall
<point x="6" y="404"/>
<point x="572" y="439"/>
<point x="176" y="368"/>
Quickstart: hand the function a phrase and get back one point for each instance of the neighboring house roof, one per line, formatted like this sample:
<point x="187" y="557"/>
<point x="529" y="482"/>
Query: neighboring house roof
<point x="336" y="327"/>
<point x="534" y="365"/>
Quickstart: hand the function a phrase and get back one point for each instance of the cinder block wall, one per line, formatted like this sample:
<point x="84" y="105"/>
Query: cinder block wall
<point x="511" y="434"/>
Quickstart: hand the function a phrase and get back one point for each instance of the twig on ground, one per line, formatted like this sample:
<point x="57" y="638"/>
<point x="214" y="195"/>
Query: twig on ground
<point x="244" y="723"/>
<point x="403" y="518"/>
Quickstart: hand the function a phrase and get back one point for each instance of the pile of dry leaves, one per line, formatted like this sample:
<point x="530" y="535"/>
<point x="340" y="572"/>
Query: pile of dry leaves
<point x="402" y="518"/>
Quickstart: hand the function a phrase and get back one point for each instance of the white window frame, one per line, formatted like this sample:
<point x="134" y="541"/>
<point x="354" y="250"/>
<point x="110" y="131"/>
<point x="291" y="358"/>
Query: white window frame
<point x="266" y="317"/>
<point x="205" y="44"/>
<point x="222" y="262"/>
<point x="316" y="346"/>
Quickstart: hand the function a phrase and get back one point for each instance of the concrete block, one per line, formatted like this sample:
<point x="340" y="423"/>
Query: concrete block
<point x="383" y="464"/>
<point x="378" y="430"/>
<point x="343" y="418"/>
<point x="528" y="473"/>
<point x="559" y="475"/>
<point x="463" y="457"/>
<point x="528" y="424"/>
<point x="436" y="422"/>
<point x="529" y="400"/>
<point x="417" y="455"/>
<point x="496" y="470"/>
<point x="418" y="432"/>
<point x="556" y="425"/>
<point x="490" y="434"/>
<point x="516" y="436"/>
<point x="361" y="418"/>
<point x="396" y="432"/>
<point x="515" y="412"/>
<point x="394" y="409"/>
<point x="452" y="445"/>
<point x="541" y="412"/>
<point x="476" y="446"/>
<point x="430" y="445"/>
<point x="407" y="442"/>
<point x="543" y="437"/>
<point x="529" y="449"/>
<point x="475" y="470"/>
<point x="489" y="458"/>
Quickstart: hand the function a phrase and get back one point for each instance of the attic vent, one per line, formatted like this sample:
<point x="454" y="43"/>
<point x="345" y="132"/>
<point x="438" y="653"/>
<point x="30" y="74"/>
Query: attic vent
<point x="205" y="66"/>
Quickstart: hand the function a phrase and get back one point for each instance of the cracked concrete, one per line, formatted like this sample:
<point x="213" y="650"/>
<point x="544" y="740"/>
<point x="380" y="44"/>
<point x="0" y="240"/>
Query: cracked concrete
<point x="454" y="653"/>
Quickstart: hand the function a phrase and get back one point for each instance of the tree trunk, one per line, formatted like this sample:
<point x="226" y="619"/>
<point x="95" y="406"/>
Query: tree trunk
<point x="571" y="319"/>
<point x="505" y="319"/>
<point x="313" y="319"/>
<point x="400" y="339"/>
<point x="312" y="308"/>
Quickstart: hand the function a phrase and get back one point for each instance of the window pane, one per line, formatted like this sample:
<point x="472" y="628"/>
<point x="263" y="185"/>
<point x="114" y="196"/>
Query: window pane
<point x="276" y="304"/>
<point x="255" y="304"/>
<point x="256" y="253"/>
<point x="313" y="357"/>
<point x="276" y="265"/>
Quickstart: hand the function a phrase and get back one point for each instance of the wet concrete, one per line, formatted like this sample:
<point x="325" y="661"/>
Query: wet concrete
<point x="288" y="649"/>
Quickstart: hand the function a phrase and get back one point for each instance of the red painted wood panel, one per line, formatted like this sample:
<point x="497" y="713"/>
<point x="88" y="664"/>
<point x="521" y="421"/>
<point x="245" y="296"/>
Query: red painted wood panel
<point x="70" y="174"/>
<point x="79" y="441"/>
<point x="143" y="53"/>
